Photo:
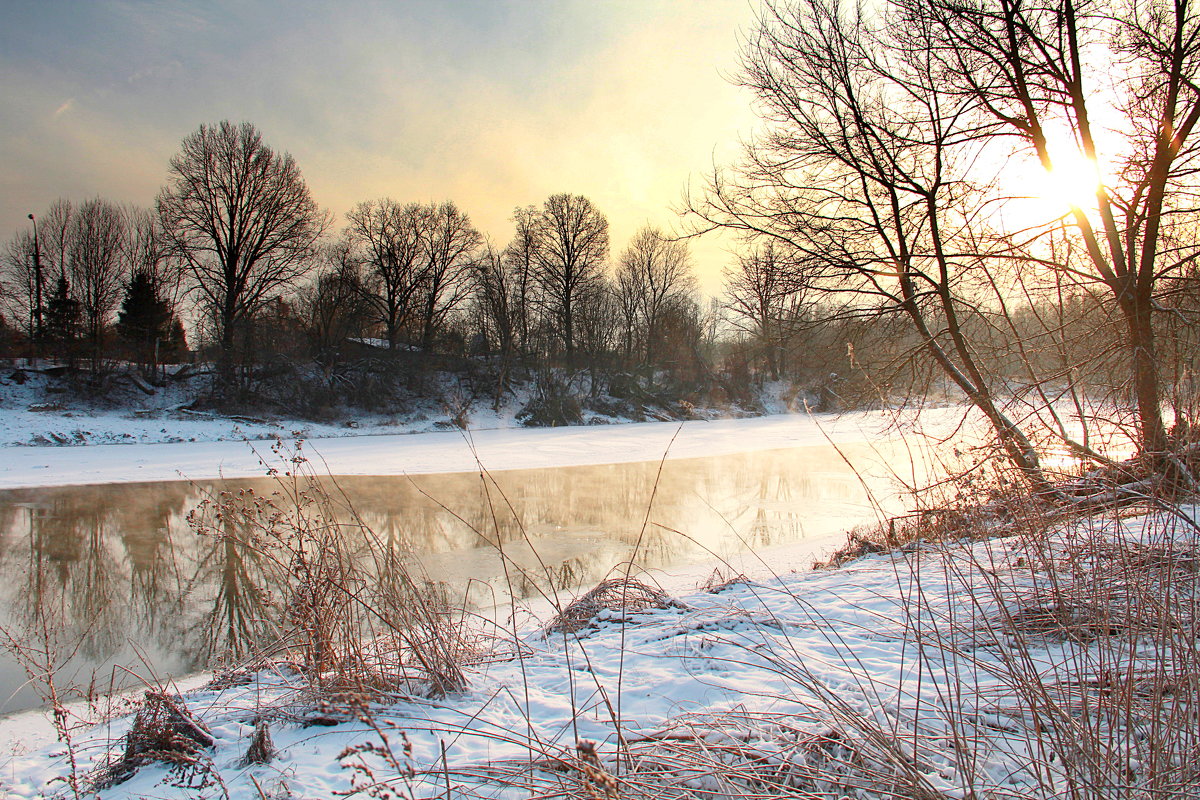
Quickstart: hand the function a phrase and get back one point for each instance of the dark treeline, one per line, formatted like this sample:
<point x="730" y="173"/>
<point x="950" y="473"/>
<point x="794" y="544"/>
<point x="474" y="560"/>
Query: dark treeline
<point x="90" y="282"/>
<point x="288" y="310"/>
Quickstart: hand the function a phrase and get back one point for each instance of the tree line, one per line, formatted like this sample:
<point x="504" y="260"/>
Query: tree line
<point x="266" y="277"/>
<point x="885" y="244"/>
<point x="92" y="281"/>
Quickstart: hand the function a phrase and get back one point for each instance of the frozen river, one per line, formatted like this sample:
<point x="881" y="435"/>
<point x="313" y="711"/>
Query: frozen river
<point x="100" y="545"/>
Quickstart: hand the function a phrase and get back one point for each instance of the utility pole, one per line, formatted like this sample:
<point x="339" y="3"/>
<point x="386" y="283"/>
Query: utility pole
<point x="37" y="291"/>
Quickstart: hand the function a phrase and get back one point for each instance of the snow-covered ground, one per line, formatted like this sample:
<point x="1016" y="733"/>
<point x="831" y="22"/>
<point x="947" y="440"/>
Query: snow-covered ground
<point x="909" y="674"/>
<point x="28" y="418"/>
<point x="154" y="437"/>
<point x="445" y="451"/>
<point x="888" y="675"/>
<point x="36" y="411"/>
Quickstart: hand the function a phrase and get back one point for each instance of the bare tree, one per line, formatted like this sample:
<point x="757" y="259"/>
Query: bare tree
<point x="150" y="251"/>
<point x="242" y="218"/>
<point x="654" y="277"/>
<point x="494" y="300"/>
<point x="765" y="293"/>
<point x="867" y="174"/>
<point x="98" y="267"/>
<point x="520" y="261"/>
<point x="570" y="256"/>
<point x="450" y="246"/>
<point x="596" y="328"/>
<point x="334" y="306"/>
<point x="20" y="282"/>
<point x="1045" y="69"/>
<point x="390" y="240"/>
<point x="54" y="239"/>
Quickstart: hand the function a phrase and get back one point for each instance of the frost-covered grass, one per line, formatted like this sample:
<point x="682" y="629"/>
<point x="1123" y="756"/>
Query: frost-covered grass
<point x="1058" y="662"/>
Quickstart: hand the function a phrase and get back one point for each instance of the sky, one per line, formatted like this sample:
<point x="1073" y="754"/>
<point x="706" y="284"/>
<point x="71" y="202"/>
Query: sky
<point x="493" y="104"/>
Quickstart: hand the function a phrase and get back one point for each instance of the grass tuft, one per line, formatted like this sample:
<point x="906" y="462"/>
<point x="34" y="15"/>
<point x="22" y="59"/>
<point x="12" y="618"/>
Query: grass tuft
<point x="621" y="595"/>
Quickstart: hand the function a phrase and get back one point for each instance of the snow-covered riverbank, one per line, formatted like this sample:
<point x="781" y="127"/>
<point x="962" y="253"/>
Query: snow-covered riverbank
<point x="447" y="451"/>
<point x="926" y="672"/>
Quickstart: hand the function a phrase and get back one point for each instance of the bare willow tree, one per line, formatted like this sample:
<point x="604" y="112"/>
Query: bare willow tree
<point x="500" y="310"/>
<point x="242" y="218"/>
<point x="872" y="177"/>
<point x="572" y="250"/>
<point x="654" y="278"/>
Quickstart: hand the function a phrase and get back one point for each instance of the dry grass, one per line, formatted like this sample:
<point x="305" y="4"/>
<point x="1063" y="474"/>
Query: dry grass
<point x="163" y="731"/>
<point x="1073" y="651"/>
<point x="357" y="617"/>
<point x="1075" y="660"/>
<point x="622" y="595"/>
<point x="1088" y="639"/>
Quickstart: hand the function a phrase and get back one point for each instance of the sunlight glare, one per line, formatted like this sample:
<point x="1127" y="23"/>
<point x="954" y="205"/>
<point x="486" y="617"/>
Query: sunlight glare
<point x="1072" y="181"/>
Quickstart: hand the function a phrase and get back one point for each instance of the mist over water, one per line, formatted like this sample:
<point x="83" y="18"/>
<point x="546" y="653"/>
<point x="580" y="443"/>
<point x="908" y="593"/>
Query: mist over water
<point x="136" y="579"/>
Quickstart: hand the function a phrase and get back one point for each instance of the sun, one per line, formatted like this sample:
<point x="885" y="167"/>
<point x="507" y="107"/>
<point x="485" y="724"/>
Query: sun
<point x="1035" y="196"/>
<point x="1069" y="185"/>
<point x="1072" y="181"/>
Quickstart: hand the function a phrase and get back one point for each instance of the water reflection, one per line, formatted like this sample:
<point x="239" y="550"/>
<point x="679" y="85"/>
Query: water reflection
<point x="147" y="572"/>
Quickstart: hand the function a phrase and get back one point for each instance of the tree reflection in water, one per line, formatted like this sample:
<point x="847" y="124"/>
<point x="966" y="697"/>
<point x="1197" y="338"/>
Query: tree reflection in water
<point x="121" y="563"/>
<point x="231" y="585"/>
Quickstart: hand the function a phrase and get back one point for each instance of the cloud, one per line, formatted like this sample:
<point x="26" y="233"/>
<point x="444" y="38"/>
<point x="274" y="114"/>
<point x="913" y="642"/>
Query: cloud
<point x="64" y="108"/>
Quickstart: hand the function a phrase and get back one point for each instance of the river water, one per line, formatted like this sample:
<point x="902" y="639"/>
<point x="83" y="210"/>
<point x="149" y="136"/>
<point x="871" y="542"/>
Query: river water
<point x="106" y="582"/>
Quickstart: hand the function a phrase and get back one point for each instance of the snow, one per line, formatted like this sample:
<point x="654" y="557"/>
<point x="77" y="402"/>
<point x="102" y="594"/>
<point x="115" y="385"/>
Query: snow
<point x="767" y="667"/>
<point x="156" y="437"/>
<point x="440" y="451"/>
<point x="778" y="672"/>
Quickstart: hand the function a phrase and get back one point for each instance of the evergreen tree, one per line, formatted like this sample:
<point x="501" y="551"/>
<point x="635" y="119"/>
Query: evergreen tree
<point x="146" y="319"/>
<point x="175" y="346"/>
<point x="61" y="319"/>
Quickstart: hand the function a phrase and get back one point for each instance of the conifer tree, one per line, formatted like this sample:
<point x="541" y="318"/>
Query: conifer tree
<point x="62" y="319"/>
<point x="147" y="322"/>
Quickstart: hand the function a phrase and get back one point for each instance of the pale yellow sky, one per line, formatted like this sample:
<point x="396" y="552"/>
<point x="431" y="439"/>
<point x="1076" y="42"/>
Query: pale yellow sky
<point x="490" y="104"/>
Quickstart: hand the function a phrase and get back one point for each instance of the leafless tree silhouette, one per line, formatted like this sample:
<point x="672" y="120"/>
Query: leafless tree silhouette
<point x="654" y="277"/>
<point x="390" y="242"/>
<point x="868" y="175"/>
<point x="241" y="216"/>
<point x="570" y="257"/>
